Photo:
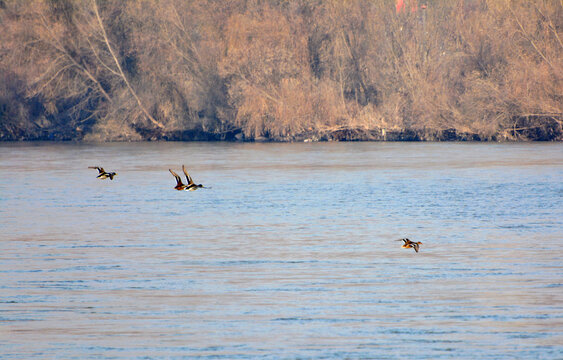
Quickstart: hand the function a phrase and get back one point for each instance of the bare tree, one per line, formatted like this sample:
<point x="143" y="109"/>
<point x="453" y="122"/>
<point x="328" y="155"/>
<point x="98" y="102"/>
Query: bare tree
<point x="281" y="70"/>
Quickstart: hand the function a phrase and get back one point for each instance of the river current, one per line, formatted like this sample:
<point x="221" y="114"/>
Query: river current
<point x="291" y="252"/>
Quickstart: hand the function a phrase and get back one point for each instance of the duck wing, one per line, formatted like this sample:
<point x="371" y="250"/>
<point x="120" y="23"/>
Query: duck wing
<point x="405" y="240"/>
<point x="178" y="179"/>
<point x="188" y="177"/>
<point x="100" y="169"/>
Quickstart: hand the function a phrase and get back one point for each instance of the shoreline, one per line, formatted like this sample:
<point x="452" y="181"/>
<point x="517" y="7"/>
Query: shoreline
<point x="531" y="134"/>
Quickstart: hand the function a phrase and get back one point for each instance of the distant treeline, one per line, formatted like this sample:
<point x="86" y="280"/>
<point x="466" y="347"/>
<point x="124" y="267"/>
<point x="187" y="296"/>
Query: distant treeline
<point x="281" y="70"/>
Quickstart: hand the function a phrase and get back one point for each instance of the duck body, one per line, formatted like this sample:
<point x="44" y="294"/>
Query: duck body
<point x="410" y="244"/>
<point x="194" y="187"/>
<point x="102" y="174"/>
<point x="106" y="175"/>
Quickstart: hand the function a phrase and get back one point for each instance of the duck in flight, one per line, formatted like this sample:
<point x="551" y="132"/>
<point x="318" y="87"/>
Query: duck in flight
<point x="191" y="186"/>
<point x="410" y="244"/>
<point x="102" y="174"/>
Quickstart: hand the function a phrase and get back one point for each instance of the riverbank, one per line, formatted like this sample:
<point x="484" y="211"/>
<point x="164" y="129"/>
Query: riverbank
<point x="548" y="129"/>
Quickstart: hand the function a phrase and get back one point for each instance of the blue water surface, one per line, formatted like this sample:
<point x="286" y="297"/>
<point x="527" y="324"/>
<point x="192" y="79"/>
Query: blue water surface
<point x="291" y="253"/>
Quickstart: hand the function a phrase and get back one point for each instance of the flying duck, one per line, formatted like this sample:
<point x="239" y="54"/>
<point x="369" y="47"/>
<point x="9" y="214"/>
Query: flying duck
<point x="410" y="244"/>
<point x="102" y="173"/>
<point x="191" y="186"/>
<point x="179" y="184"/>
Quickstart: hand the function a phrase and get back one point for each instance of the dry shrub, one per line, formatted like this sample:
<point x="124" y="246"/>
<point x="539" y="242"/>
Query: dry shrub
<point x="112" y="130"/>
<point x="264" y="59"/>
<point x="282" y="69"/>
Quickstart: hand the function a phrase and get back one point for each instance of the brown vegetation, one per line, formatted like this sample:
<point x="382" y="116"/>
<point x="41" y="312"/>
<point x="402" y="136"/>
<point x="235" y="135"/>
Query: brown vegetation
<point x="281" y="70"/>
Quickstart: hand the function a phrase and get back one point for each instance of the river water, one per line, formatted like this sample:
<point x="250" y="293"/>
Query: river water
<point x="290" y="254"/>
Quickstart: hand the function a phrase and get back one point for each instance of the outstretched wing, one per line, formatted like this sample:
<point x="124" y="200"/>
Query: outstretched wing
<point x="178" y="179"/>
<point x="405" y="240"/>
<point x="100" y="169"/>
<point x="415" y="246"/>
<point x="188" y="177"/>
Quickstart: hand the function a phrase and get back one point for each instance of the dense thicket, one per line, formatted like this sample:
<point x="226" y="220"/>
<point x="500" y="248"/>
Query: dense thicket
<point x="281" y="70"/>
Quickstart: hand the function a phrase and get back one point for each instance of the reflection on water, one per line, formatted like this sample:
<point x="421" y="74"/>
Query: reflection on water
<point x="291" y="254"/>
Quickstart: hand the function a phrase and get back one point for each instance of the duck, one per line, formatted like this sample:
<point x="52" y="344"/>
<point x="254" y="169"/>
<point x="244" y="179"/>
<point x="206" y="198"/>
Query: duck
<point x="190" y="186"/>
<point x="102" y="174"/>
<point x="179" y="184"/>
<point x="410" y="244"/>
